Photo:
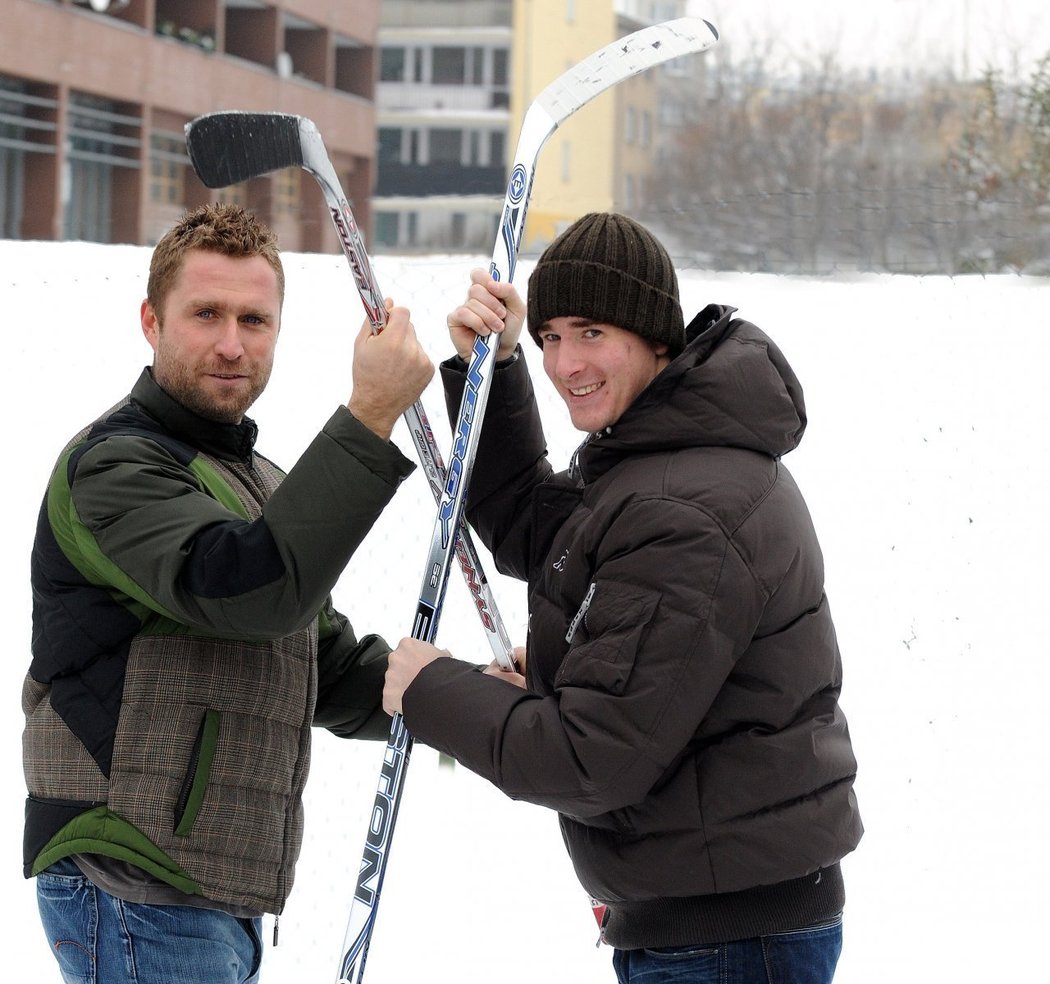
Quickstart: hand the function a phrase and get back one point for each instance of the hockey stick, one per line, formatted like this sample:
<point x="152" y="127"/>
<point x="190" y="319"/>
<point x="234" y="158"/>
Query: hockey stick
<point x="620" y="60"/>
<point x="229" y="147"/>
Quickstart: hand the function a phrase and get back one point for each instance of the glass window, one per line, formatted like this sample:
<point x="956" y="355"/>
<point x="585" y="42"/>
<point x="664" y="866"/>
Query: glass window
<point x="102" y="138"/>
<point x="497" y="149"/>
<point x="389" y="145"/>
<point x="499" y="66"/>
<point x="167" y="158"/>
<point x="286" y="190"/>
<point x="392" y="65"/>
<point x="446" y="146"/>
<point x="386" y="229"/>
<point x="448" y="66"/>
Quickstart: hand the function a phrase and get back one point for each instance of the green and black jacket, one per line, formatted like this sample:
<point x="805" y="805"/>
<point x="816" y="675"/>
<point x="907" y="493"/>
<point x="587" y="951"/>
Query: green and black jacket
<point x="184" y="642"/>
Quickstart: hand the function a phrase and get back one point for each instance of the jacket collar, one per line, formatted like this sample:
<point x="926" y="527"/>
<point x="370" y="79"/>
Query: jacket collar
<point x="232" y="442"/>
<point x="730" y="387"/>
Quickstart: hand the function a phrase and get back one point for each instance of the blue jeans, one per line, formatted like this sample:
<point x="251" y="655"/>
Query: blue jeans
<point x="805" y="956"/>
<point x="99" y="939"/>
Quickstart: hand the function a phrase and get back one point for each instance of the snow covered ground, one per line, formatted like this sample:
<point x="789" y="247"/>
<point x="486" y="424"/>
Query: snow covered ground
<point x="925" y="466"/>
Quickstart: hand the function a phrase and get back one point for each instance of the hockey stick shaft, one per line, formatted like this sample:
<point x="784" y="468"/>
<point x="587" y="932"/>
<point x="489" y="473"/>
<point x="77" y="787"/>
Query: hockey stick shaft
<point x="623" y="58"/>
<point x="229" y="147"/>
<point x="422" y="434"/>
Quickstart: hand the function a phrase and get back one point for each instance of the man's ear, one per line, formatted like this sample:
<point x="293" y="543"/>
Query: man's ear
<point x="150" y="324"/>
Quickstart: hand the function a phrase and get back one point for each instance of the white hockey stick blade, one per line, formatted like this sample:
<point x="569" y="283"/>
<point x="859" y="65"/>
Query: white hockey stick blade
<point x="570" y="92"/>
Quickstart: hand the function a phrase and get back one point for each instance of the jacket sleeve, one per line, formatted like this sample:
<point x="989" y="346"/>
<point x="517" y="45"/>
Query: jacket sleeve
<point x="644" y="665"/>
<point x="350" y="680"/>
<point x="511" y="460"/>
<point x="140" y="522"/>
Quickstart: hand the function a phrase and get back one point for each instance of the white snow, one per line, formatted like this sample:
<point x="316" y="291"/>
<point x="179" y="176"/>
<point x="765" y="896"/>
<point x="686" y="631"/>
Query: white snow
<point x="925" y="466"/>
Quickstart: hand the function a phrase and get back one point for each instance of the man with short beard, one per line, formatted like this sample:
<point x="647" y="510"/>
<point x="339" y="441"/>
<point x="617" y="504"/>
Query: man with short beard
<point x="184" y="638"/>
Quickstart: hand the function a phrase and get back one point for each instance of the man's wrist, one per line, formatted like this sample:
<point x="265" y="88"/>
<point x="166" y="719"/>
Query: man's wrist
<point x="379" y="423"/>
<point x="501" y="360"/>
<point x="507" y="360"/>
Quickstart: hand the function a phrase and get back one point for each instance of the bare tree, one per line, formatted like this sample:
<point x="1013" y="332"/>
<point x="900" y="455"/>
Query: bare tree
<point x="819" y="171"/>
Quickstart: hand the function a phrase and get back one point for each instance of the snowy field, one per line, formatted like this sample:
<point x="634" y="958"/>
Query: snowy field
<point x="925" y="466"/>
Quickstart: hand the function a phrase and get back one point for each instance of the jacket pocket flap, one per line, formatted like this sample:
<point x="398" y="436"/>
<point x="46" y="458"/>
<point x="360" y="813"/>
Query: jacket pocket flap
<point x="610" y="629"/>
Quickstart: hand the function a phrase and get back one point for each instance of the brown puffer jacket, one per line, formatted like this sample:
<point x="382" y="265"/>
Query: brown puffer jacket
<point x="683" y="669"/>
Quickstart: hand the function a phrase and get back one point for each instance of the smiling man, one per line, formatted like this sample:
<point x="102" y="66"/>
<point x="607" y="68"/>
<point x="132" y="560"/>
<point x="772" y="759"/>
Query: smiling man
<point x="184" y="638"/>
<point x="681" y="702"/>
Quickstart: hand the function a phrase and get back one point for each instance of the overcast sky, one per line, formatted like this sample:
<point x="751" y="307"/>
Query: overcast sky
<point x="968" y="34"/>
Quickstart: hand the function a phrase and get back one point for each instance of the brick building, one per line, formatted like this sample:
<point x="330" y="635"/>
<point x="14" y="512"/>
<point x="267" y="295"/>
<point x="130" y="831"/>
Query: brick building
<point x="94" y="97"/>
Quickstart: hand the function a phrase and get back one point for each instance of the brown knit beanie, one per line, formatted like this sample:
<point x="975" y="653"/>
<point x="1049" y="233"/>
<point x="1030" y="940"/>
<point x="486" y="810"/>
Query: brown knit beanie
<point x="609" y="269"/>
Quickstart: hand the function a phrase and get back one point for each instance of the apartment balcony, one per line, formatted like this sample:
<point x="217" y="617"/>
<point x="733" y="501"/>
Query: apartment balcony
<point x="407" y="97"/>
<point x="461" y="14"/>
<point x="421" y="180"/>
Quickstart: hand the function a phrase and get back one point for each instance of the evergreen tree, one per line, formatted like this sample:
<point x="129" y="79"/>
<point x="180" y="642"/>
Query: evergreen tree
<point x="1037" y="119"/>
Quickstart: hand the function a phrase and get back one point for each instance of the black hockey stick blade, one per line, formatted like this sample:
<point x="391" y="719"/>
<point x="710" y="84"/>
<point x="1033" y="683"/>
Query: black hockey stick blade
<point x="230" y="147"/>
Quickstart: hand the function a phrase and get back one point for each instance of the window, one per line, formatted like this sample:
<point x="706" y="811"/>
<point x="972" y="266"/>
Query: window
<point x="286" y="188"/>
<point x="386" y="229"/>
<point x="392" y="65"/>
<point x="167" y="159"/>
<point x="459" y="230"/>
<point x="446" y="146"/>
<point x="12" y="157"/>
<point x="448" y="66"/>
<point x="497" y="149"/>
<point x="12" y="178"/>
<point x="499" y="66"/>
<point x="236" y="194"/>
<point x="89" y="208"/>
<point x="631" y="126"/>
<point x="389" y="145"/>
<point x="103" y="140"/>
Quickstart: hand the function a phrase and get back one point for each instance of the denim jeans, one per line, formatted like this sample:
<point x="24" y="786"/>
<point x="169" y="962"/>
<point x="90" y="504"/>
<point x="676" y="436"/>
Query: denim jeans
<point x="99" y="939"/>
<point x="805" y="956"/>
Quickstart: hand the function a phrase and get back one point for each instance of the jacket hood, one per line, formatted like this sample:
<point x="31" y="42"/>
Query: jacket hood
<point x="730" y="387"/>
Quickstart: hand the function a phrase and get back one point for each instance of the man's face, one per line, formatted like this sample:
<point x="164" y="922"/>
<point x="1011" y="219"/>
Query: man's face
<point x="214" y="340"/>
<point x="598" y="370"/>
